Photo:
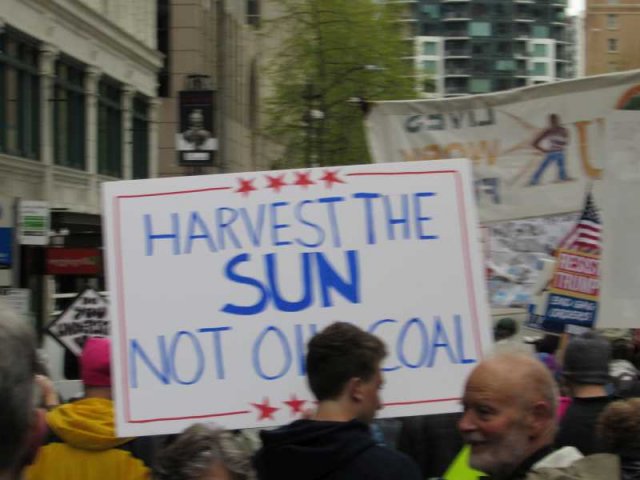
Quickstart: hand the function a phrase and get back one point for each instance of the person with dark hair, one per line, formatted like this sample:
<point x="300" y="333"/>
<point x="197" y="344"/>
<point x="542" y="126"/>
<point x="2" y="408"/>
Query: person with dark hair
<point x="343" y="371"/>
<point x="619" y="429"/>
<point x="504" y="334"/>
<point x="21" y="424"/>
<point x="552" y="143"/>
<point x="82" y="442"/>
<point x="202" y="452"/>
<point x="586" y="371"/>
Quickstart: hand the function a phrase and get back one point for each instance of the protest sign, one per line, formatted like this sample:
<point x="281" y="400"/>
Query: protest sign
<point x="518" y="251"/>
<point x="574" y="290"/>
<point x="534" y="150"/>
<point x="87" y="316"/>
<point x="620" y="297"/>
<point x="218" y="282"/>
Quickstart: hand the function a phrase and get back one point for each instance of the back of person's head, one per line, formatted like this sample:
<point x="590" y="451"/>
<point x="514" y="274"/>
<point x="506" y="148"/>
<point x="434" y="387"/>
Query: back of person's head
<point x="548" y="344"/>
<point x="17" y="403"/>
<point x="339" y="353"/>
<point x="619" y="427"/>
<point x="622" y="349"/>
<point x="95" y="362"/>
<point x="586" y="360"/>
<point x="200" y="452"/>
<point x="505" y="327"/>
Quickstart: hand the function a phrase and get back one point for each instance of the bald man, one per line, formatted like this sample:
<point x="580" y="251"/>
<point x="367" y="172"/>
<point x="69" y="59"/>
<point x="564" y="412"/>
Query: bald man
<point x="509" y="418"/>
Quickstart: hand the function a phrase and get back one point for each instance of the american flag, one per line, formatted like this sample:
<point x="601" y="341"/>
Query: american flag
<point x="585" y="236"/>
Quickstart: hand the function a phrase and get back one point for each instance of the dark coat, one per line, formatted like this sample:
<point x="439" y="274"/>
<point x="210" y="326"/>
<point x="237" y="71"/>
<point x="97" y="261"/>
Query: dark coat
<point x="315" y="450"/>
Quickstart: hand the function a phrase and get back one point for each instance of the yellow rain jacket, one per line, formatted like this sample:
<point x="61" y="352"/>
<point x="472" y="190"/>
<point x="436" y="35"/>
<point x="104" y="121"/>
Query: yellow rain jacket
<point x="82" y="445"/>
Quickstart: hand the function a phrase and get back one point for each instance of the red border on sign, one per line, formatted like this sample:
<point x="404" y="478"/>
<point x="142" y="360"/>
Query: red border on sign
<point x="462" y="217"/>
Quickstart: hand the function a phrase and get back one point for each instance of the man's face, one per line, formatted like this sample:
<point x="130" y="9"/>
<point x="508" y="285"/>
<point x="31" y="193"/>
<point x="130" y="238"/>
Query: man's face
<point x="494" y="424"/>
<point x="370" y="397"/>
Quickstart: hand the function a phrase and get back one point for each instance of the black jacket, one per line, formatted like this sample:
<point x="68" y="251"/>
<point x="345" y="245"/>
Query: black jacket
<point x="578" y="427"/>
<point x="433" y="441"/>
<point x="315" y="450"/>
<point x="630" y="468"/>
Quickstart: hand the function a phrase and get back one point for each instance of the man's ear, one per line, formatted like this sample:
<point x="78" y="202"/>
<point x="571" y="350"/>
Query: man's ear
<point x="354" y="389"/>
<point x="541" y="416"/>
<point x="35" y="437"/>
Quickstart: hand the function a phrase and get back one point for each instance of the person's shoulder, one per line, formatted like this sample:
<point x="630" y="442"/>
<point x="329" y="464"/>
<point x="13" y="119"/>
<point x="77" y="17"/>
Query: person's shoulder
<point x="591" y="467"/>
<point x="390" y="463"/>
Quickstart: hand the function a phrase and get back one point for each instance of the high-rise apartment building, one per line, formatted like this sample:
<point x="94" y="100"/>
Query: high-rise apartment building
<point x="479" y="46"/>
<point x="612" y="36"/>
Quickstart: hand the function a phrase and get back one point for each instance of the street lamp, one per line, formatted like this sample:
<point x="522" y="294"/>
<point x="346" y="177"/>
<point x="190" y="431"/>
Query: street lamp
<point x="316" y="109"/>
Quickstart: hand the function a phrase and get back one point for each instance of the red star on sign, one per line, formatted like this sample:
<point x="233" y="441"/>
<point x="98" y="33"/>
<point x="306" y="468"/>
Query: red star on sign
<point x="295" y="404"/>
<point x="245" y="187"/>
<point x="302" y="179"/>
<point x="276" y="182"/>
<point x="330" y="178"/>
<point x="266" y="410"/>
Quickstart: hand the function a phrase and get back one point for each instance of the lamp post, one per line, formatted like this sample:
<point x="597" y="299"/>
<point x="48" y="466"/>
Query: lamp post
<point x="316" y="112"/>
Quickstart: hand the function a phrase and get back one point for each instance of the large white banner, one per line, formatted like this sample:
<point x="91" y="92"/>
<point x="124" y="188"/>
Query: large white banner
<point x="620" y="267"/>
<point x="218" y="282"/>
<point x="535" y="150"/>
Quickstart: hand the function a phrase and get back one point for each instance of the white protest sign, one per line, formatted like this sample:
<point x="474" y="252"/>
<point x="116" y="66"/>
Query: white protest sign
<point x="620" y="269"/>
<point x="218" y="282"/>
<point x="87" y="316"/>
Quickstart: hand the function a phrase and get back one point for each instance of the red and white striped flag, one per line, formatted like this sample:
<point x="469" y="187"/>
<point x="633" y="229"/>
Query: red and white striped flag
<point x="585" y="236"/>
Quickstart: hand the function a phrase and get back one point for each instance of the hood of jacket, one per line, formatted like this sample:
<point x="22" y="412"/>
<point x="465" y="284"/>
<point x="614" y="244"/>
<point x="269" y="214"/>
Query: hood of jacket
<point x="316" y="448"/>
<point x="593" y="467"/>
<point x="86" y="424"/>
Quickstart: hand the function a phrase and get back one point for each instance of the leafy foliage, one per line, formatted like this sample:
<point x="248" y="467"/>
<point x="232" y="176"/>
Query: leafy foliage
<point x="333" y="52"/>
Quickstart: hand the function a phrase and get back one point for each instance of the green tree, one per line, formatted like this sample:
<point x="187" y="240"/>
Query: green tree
<point x="334" y="52"/>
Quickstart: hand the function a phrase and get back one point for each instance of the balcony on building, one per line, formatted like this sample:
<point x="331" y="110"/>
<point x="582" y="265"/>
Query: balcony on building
<point x="525" y="1"/>
<point x="520" y="51"/>
<point x="455" y="1"/>
<point x="559" y="18"/>
<point x="458" y="67"/>
<point x="456" y="51"/>
<point x="522" y="31"/>
<point x="522" y="13"/>
<point x="454" y="31"/>
<point x="456" y="13"/>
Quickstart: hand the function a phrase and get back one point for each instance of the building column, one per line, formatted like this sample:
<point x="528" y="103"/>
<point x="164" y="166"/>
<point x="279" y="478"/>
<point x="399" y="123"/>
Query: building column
<point x="154" y="148"/>
<point x="128" y="91"/>
<point x="91" y="80"/>
<point x="47" y="71"/>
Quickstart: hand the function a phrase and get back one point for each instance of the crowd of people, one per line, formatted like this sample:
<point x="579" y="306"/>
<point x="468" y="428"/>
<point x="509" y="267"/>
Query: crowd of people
<point x="526" y="415"/>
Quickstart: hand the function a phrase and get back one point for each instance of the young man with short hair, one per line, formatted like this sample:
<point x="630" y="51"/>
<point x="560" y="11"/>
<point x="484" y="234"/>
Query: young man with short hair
<point x="343" y="371"/>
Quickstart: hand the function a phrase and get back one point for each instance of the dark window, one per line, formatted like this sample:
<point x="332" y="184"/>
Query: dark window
<point x="109" y="129"/>
<point x="19" y="95"/>
<point x="164" y="24"/>
<point x="69" y="115"/>
<point x="253" y="13"/>
<point x="140" y="137"/>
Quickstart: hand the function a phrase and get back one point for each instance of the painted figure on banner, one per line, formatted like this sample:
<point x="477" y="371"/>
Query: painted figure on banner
<point x="552" y="142"/>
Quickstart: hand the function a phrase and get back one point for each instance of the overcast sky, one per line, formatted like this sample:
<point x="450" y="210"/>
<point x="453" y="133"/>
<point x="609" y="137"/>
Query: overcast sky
<point x="576" y="6"/>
